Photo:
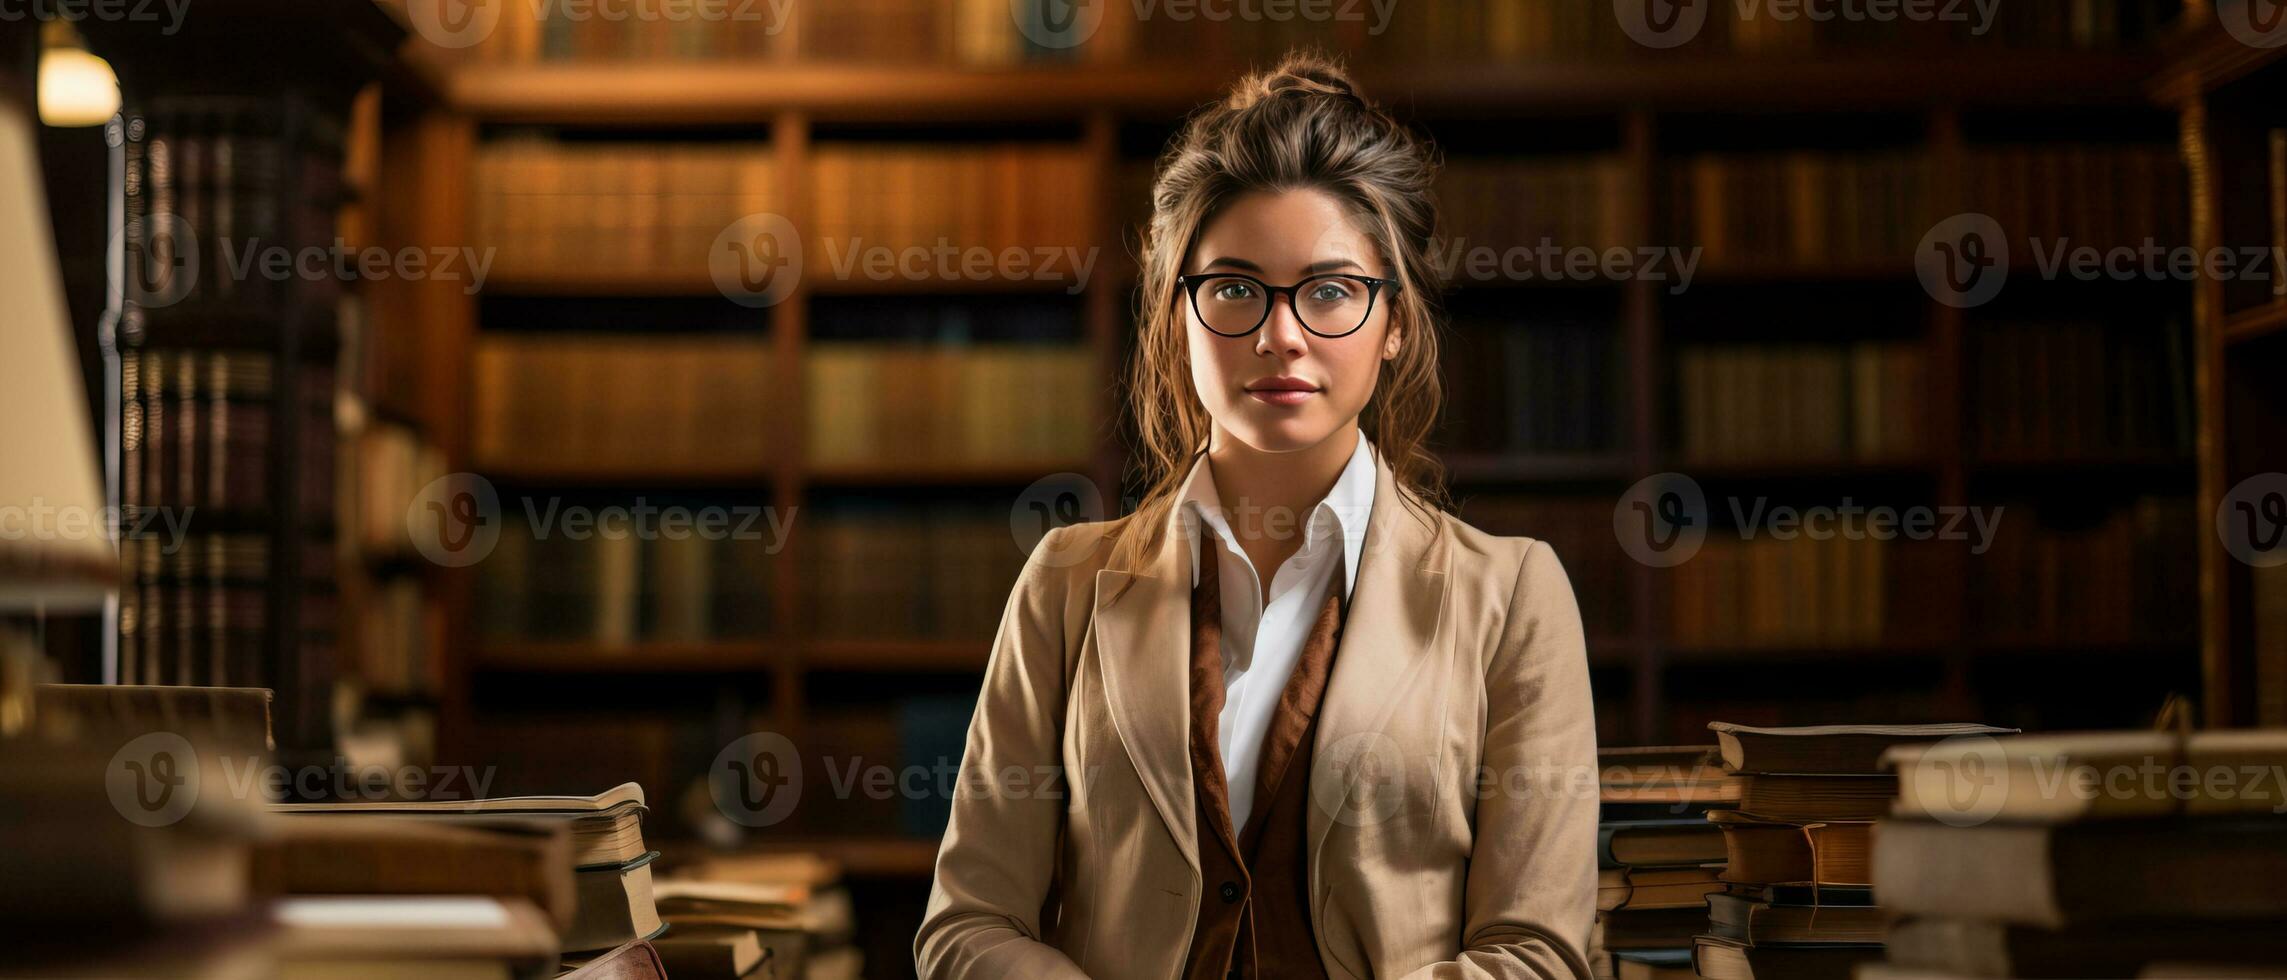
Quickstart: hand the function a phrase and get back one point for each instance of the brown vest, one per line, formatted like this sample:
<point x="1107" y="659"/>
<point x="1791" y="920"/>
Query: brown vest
<point x="1254" y="918"/>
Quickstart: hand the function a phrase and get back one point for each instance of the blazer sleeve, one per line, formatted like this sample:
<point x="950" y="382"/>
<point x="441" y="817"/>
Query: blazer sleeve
<point x="1531" y="894"/>
<point x="999" y="851"/>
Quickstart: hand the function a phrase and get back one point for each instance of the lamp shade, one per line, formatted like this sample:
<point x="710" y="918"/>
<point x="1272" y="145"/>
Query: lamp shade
<point x="56" y="551"/>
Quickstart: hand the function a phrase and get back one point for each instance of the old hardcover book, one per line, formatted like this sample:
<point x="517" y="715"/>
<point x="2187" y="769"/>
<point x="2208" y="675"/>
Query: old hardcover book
<point x="1716" y="958"/>
<point x="1758" y="851"/>
<point x="2059" y="875"/>
<point x="606" y="829"/>
<point x="1985" y="948"/>
<point x="2093" y="775"/>
<point x="505" y="857"/>
<point x="1826" y="748"/>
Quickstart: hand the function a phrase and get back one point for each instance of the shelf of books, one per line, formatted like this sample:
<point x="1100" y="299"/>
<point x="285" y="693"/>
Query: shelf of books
<point x="2234" y="137"/>
<point x="875" y="423"/>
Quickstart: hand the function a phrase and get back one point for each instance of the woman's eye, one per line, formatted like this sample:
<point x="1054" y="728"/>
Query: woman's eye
<point x="1328" y="292"/>
<point x="1234" y="291"/>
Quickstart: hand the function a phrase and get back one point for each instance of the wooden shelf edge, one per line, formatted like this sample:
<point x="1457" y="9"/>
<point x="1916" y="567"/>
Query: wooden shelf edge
<point x="2257" y="322"/>
<point x="654" y="94"/>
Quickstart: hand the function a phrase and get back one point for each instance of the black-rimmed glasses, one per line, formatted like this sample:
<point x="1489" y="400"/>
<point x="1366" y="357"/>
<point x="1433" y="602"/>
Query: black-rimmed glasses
<point x="1332" y="304"/>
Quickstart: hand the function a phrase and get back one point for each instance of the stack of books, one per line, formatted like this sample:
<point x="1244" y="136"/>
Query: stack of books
<point x="2092" y="854"/>
<point x="1659" y="857"/>
<point x="603" y="857"/>
<point x="1797" y="902"/>
<point x="756" y="916"/>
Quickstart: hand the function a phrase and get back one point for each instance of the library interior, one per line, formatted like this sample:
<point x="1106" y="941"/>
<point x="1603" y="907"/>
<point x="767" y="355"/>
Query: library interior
<point x="535" y="488"/>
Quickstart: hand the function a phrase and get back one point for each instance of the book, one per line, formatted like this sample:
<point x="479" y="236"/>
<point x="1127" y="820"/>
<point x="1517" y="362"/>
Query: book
<point x="2066" y="874"/>
<point x="1986" y="948"/>
<point x="635" y="960"/>
<point x="1758" y="851"/>
<point x="411" y="937"/>
<point x="1826" y="748"/>
<point x="1716" y="958"/>
<point x="1790" y="796"/>
<point x="1653" y="964"/>
<point x="613" y="904"/>
<point x="2075" y="776"/>
<point x="696" y="952"/>
<point x="1765" y="914"/>
<point x="1679" y="840"/>
<point x="1655" y="888"/>
<point x="504" y="857"/>
<point x="606" y="829"/>
<point x="216" y="719"/>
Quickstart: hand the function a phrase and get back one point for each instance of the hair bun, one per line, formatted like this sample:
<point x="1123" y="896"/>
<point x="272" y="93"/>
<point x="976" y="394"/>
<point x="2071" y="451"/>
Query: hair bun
<point x="1300" y="73"/>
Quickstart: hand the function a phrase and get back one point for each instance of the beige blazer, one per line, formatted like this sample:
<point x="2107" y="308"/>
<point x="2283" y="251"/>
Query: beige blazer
<point x="1453" y="775"/>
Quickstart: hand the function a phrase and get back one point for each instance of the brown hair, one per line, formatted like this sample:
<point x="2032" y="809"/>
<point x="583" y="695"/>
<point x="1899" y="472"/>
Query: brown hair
<point x="1300" y="125"/>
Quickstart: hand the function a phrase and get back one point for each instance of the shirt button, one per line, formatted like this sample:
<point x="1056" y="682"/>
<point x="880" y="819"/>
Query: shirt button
<point x="1230" y="891"/>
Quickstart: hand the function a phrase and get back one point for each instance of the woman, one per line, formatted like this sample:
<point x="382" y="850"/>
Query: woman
<point x="1289" y="718"/>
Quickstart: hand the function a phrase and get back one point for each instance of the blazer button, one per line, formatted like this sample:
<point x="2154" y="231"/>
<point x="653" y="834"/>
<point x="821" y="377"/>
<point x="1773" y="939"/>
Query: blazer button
<point x="1230" y="891"/>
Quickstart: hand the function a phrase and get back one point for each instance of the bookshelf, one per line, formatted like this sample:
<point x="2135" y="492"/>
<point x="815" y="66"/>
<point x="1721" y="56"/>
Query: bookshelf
<point x="1661" y="129"/>
<point x="225" y="388"/>
<point x="2234" y="136"/>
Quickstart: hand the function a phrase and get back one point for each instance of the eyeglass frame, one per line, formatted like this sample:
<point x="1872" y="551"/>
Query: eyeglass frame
<point x="1190" y="282"/>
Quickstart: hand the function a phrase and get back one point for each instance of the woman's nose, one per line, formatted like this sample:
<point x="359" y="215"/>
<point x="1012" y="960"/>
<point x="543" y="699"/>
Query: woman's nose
<point x="1282" y="331"/>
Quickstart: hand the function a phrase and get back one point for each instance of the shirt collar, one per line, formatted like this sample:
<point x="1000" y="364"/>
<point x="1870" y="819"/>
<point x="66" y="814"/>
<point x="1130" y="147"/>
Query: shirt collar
<point x="1344" y="511"/>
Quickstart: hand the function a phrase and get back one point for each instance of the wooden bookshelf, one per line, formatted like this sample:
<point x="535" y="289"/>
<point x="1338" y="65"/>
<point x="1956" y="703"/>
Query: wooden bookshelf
<point x="1645" y="107"/>
<point x="2227" y="95"/>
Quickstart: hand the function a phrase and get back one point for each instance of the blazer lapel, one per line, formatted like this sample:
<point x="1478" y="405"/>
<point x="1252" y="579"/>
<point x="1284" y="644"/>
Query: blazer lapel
<point x="1395" y="613"/>
<point x="1143" y="640"/>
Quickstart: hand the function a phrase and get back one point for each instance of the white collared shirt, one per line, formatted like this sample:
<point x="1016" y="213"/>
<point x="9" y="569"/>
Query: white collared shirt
<point x="1263" y="635"/>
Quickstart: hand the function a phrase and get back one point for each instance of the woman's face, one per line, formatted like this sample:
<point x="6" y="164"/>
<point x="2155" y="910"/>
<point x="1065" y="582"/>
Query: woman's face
<point x="1283" y="388"/>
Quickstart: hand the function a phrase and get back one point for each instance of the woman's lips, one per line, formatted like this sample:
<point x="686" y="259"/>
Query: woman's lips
<point x="1281" y="393"/>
